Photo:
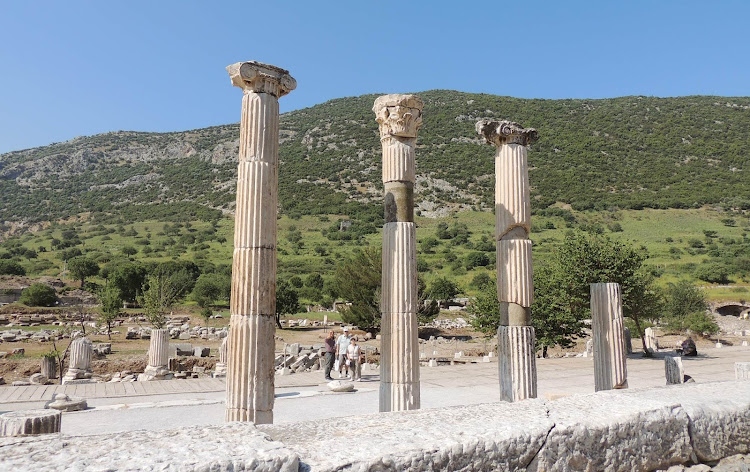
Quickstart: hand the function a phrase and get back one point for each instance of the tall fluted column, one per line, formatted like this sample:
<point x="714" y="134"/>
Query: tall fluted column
<point x="610" y="368"/>
<point x="399" y="118"/>
<point x="250" y="363"/>
<point x="516" y="338"/>
<point x="81" y="351"/>
<point x="158" y="356"/>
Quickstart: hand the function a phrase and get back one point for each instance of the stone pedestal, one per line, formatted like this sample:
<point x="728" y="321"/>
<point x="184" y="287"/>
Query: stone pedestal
<point x="29" y="422"/>
<point x="221" y="366"/>
<point x="673" y="370"/>
<point x="63" y="402"/>
<point x="158" y="357"/>
<point x="610" y="360"/>
<point x="742" y="370"/>
<point x="250" y="362"/>
<point x="79" y="367"/>
<point x="49" y="367"/>
<point x="651" y="343"/>
<point x="515" y="289"/>
<point x="399" y="117"/>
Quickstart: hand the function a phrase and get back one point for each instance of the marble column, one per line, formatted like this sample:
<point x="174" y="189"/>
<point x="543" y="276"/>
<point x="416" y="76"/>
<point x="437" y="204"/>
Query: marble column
<point x="158" y="357"/>
<point x="30" y="422"/>
<point x="673" y="370"/>
<point x="221" y="366"/>
<point x="516" y="337"/>
<point x="399" y="117"/>
<point x="610" y="368"/>
<point x="79" y="367"/>
<point x="250" y="362"/>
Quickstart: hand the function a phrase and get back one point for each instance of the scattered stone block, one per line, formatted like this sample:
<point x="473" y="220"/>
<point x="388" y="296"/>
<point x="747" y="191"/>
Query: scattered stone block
<point x="486" y="359"/>
<point x="184" y="335"/>
<point x="673" y="370"/>
<point x="202" y="352"/>
<point x="340" y="386"/>
<point x="62" y="402"/>
<point x="29" y="422"/>
<point x="38" y="379"/>
<point x="433" y="363"/>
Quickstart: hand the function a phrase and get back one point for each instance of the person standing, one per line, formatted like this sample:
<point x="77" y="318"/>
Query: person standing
<point x="330" y="344"/>
<point x="353" y="353"/>
<point x="342" y="343"/>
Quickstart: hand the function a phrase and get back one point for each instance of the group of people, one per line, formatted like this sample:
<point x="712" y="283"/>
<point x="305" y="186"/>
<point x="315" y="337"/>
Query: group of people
<point x="345" y="352"/>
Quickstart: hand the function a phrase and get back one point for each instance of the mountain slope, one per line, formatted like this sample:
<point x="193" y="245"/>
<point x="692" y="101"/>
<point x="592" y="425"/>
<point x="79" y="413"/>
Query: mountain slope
<point x="628" y="152"/>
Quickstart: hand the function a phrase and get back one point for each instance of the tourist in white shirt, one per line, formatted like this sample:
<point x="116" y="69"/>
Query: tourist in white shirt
<point x="353" y="353"/>
<point x="342" y="344"/>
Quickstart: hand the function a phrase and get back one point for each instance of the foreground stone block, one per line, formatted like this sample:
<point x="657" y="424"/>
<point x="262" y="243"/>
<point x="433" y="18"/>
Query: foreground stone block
<point x="231" y="447"/>
<point x="494" y="436"/>
<point x="29" y="422"/>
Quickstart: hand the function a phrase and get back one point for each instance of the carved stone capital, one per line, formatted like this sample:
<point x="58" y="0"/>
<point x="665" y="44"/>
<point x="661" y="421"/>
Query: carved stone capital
<point x="261" y="78"/>
<point x="505" y="132"/>
<point x="398" y="115"/>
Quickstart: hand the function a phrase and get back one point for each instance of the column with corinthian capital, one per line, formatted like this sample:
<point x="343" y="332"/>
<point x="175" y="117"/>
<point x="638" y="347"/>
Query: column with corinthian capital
<point x="250" y="360"/>
<point x="399" y="118"/>
<point x="516" y="351"/>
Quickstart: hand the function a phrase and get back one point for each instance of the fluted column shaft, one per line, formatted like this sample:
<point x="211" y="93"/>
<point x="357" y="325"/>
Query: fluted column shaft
<point x="158" y="348"/>
<point x="399" y="117"/>
<point x="515" y="289"/>
<point x="673" y="370"/>
<point x="250" y="348"/>
<point x="80" y="354"/>
<point x="610" y="358"/>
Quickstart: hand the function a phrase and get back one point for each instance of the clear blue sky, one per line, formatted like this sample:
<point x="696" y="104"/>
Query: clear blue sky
<point x="71" y="68"/>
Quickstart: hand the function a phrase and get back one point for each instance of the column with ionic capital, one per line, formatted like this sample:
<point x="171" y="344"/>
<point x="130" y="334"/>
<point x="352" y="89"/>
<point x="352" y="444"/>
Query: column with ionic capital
<point x="250" y="360"/>
<point x="399" y="118"/>
<point x="516" y="338"/>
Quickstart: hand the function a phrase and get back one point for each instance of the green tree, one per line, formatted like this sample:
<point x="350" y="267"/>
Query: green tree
<point x="714" y="273"/>
<point x="314" y="280"/>
<point x="209" y="288"/>
<point x="8" y="267"/>
<point x="686" y="307"/>
<point x="81" y="267"/>
<point x="129" y="251"/>
<point x="287" y="301"/>
<point x="159" y="295"/>
<point x="206" y="313"/>
<point x="476" y="259"/>
<point x="443" y="290"/>
<point x="128" y="278"/>
<point x="426" y="310"/>
<point x="485" y="308"/>
<point x="38" y="294"/>
<point x="111" y="303"/>
<point x="358" y="281"/>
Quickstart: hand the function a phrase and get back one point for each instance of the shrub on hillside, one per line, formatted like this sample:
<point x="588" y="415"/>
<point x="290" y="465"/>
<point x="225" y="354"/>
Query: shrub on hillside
<point x="38" y="294"/>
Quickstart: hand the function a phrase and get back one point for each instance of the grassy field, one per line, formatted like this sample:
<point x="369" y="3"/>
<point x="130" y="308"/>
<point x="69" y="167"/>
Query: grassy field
<point x="666" y="235"/>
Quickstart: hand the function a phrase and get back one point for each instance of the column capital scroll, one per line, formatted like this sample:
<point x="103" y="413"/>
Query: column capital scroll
<point x="261" y="78"/>
<point x="502" y="132"/>
<point x="398" y="115"/>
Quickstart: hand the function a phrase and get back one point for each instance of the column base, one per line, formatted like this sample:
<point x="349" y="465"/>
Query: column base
<point x="516" y="355"/>
<point x="241" y="414"/>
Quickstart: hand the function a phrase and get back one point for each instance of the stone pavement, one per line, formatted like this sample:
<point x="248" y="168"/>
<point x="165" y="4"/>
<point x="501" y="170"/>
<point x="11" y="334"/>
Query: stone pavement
<point x="301" y="397"/>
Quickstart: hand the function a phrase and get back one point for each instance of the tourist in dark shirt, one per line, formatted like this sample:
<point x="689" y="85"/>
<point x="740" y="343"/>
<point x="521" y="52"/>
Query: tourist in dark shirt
<point x="330" y="353"/>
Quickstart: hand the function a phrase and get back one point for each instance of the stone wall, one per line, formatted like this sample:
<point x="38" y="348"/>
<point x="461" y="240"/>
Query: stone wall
<point x="637" y="429"/>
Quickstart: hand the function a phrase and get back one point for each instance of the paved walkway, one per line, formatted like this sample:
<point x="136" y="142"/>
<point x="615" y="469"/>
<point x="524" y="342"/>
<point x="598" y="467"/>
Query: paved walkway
<point x="301" y="397"/>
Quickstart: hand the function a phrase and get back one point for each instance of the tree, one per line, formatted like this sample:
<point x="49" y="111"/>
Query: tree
<point x="287" y="301"/>
<point x="427" y="310"/>
<point x="38" y="294"/>
<point x="129" y="251"/>
<point x="443" y="290"/>
<point x="128" y="278"/>
<point x="81" y="267"/>
<point x="562" y="287"/>
<point x="206" y="314"/>
<point x="158" y="298"/>
<point x="480" y="280"/>
<point x="111" y="303"/>
<point x="714" y="273"/>
<point x="209" y="288"/>
<point x="314" y="280"/>
<point x="686" y="309"/>
<point x="476" y="259"/>
<point x="8" y="267"/>
<point x="485" y="308"/>
<point x="358" y="281"/>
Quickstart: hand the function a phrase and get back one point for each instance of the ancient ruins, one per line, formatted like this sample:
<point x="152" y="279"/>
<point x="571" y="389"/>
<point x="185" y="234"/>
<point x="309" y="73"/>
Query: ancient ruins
<point x="250" y="363"/>
<point x="158" y="356"/>
<point x="79" y="368"/>
<point x="515" y="290"/>
<point x="610" y="357"/>
<point x="399" y="118"/>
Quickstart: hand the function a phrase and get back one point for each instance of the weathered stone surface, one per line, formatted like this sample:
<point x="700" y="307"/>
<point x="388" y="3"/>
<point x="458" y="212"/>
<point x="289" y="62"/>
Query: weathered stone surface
<point x="29" y="422"/>
<point x="49" y="367"/>
<point x="614" y="430"/>
<point x="38" y="379"/>
<point x="742" y="370"/>
<point x="514" y="273"/>
<point x="398" y="115"/>
<point x="221" y="366"/>
<point x="607" y="326"/>
<point x="340" y="386"/>
<point x="81" y="350"/>
<point x="673" y="370"/>
<point x="232" y="447"/>
<point x="493" y="436"/>
<point x="650" y="337"/>
<point x="62" y="402"/>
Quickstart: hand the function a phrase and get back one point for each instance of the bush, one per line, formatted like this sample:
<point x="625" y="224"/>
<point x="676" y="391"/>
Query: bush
<point x="712" y="273"/>
<point x="38" y="294"/>
<point x="8" y="267"/>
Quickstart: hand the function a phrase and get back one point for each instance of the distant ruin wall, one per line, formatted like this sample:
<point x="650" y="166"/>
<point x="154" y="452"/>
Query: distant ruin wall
<point x="636" y="429"/>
